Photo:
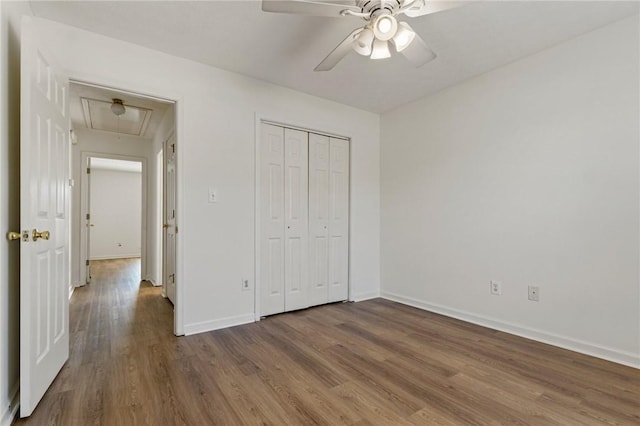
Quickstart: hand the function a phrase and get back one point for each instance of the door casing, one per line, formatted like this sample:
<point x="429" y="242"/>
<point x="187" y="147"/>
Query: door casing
<point x="84" y="209"/>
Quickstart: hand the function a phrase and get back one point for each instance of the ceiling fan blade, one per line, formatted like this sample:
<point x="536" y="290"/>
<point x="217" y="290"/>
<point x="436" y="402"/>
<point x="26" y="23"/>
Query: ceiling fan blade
<point x="429" y="7"/>
<point x="339" y="52"/>
<point x="418" y="53"/>
<point x="302" y="7"/>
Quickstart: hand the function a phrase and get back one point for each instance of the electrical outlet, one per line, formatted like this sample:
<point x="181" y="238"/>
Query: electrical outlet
<point x="245" y="284"/>
<point x="496" y="288"/>
<point x="534" y="293"/>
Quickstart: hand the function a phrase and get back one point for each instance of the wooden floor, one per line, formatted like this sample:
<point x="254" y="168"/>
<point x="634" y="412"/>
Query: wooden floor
<point x="367" y="363"/>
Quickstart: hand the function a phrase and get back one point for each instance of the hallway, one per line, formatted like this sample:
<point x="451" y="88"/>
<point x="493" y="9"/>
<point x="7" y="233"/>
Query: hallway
<point x="115" y="326"/>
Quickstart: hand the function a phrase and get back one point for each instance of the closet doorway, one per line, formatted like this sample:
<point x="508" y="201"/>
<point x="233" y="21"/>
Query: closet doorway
<point x="302" y="244"/>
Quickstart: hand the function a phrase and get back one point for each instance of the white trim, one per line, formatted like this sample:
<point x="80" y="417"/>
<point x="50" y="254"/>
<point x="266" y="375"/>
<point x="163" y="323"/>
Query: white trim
<point x="304" y="129"/>
<point x="256" y="218"/>
<point x="365" y="296"/>
<point x="609" y="354"/>
<point x="204" y="326"/>
<point x="84" y="192"/>
<point x="10" y="412"/>
<point x="152" y="281"/>
<point x="119" y="256"/>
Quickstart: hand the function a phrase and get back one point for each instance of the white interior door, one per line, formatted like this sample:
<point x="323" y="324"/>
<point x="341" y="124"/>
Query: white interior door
<point x="338" y="220"/>
<point x="88" y="225"/>
<point x="44" y="218"/>
<point x="296" y="163"/>
<point x="272" y="247"/>
<point x="170" y="221"/>
<point x="318" y="219"/>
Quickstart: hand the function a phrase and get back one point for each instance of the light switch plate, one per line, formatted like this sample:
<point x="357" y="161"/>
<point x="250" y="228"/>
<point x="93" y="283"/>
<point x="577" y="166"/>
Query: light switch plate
<point x="213" y="195"/>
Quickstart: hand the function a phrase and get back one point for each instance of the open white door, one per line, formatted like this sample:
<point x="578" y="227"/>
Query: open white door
<point x="170" y="225"/>
<point x="44" y="220"/>
<point x="88" y="225"/>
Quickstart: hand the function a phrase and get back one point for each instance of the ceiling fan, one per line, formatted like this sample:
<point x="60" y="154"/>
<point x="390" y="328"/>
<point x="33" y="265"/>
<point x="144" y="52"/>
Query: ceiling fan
<point x="381" y="28"/>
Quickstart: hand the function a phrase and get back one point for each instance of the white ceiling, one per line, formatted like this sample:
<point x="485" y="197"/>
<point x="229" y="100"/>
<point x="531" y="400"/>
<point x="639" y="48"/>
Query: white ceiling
<point x="283" y="49"/>
<point x="96" y="114"/>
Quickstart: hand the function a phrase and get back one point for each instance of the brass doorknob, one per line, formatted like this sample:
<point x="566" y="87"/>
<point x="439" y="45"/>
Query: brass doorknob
<point x="165" y="225"/>
<point x="13" y="236"/>
<point x="44" y="235"/>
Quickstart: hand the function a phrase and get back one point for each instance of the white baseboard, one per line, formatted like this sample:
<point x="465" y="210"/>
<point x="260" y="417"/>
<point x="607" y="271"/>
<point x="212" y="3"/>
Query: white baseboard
<point x="71" y="290"/>
<point x="116" y="256"/>
<point x="365" y="296"/>
<point x="609" y="354"/>
<point x="201" y="327"/>
<point x="152" y="281"/>
<point x="9" y="413"/>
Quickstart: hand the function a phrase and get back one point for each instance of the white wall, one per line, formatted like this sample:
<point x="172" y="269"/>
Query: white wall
<point x="527" y="175"/>
<point x="216" y="113"/>
<point x="116" y="213"/>
<point x="9" y="205"/>
<point x="109" y="145"/>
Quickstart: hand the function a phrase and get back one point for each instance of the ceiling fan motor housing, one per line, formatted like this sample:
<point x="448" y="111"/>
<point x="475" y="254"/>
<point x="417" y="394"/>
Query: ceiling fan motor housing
<point x="375" y="7"/>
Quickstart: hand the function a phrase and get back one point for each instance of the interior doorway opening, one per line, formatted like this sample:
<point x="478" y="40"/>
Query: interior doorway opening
<point x="116" y="212"/>
<point x="119" y="196"/>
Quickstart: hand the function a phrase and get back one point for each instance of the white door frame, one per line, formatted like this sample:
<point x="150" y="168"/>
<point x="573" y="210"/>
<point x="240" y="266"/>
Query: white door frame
<point x="275" y="119"/>
<point x="165" y="94"/>
<point x="84" y="200"/>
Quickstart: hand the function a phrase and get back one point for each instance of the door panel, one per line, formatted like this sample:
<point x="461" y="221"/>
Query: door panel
<point x="272" y="246"/>
<point x="88" y="226"/>
<point x="318" y="219"/>
<point x="339" y="220"/>
<point x="170" y="220"/>
<point x="304" y="219"/>
<point x="296" y="218"/>
<point x="44" y="206"/>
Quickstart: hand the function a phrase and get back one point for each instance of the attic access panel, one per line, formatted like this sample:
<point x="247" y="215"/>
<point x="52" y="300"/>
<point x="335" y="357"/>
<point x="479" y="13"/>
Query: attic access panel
<point x="98" y="116"/>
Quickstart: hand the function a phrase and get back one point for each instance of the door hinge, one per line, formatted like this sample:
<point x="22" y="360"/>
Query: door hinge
<point x="88" y="216"/>
<point x="88" y="170"/>
<point x="176" y="229"/>
<point x="87" y="262"/>
<point x="173" y="148"/>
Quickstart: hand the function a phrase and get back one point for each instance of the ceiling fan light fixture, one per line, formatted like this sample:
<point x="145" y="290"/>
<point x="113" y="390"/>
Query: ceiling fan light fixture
<point x="117" y="107"/>
<point x="380" y="49"/>
<point x="404" y="36"/>
<point x="363" y="42"/>
<point x="385" y="27"/>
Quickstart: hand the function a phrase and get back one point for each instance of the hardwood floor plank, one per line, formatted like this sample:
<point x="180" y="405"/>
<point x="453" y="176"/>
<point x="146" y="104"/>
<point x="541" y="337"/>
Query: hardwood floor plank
<point x="370" y="363"/>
